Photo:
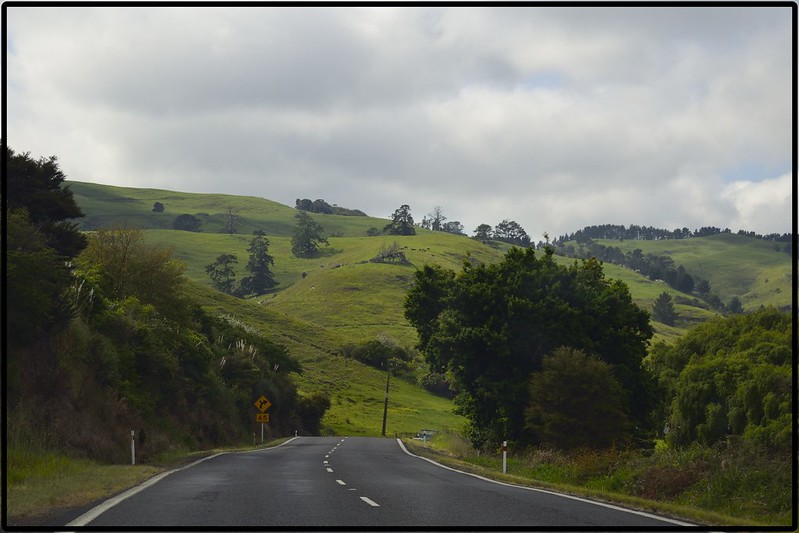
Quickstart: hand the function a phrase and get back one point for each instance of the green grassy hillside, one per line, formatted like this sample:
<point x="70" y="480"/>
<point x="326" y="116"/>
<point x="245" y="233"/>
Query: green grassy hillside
<point x="357" y="391"/>
<point x="340" y="297"/>
<point x="751" y="269"/>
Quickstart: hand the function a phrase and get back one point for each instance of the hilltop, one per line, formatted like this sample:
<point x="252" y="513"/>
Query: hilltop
<point x="340" y="297"/>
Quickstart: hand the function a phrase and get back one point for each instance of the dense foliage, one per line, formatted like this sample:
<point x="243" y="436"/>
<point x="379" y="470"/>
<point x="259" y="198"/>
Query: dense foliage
<point x="731" y="376"/>
<point x="36" y="186"/>
<point x="491" y="326"/>
<point x="382" y="354"/>
<point x="576" y="402"/>
<point x="110" y="341"/>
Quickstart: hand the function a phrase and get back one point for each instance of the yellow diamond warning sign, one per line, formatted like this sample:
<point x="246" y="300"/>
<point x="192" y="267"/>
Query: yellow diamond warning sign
<point x="262" y="404"/>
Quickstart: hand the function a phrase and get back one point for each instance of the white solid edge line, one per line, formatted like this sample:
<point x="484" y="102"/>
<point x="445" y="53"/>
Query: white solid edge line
<point x="93" y="513"/>
<point x="602" y="504"/>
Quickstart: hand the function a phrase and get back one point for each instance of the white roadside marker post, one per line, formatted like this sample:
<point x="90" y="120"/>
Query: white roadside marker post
<point x="132" y="447"/>
<point x="504" y="457"/>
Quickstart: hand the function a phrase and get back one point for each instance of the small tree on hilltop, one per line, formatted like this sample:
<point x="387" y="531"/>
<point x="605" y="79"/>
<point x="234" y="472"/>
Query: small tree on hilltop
<point x="483" y="233"/>
<point x="401" y="222"/>
<point x="308" y="235"/>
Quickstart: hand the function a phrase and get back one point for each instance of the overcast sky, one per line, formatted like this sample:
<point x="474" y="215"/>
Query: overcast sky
<point x="556" y="118"/>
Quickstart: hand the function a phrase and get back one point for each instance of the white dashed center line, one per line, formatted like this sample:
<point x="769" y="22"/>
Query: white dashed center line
<point x="330" y="470"/>
<point x="370" y="502"/>
<point x="340" y="482"/>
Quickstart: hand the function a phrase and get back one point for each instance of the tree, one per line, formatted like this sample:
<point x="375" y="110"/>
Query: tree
<point x="437" y="218"/>
<point x="261" y="279"/>
<point x="158" y="207"/>
<point x="232" y="219"/>
<point x="38" y="187"/>
<point x="483" y="233"/>
<point x="128" y="266"/>
<point x="401" y="222"/>
<point x="511" y="232"/>
<point x="453" y="227"/>
<point x="491" y="326"/>
<point x="187" y="222"/>
<point x="703" y="288"/>
<point x="729" y="376"/>
<point x="308" y="235"/>
<point x="663" y="309"/>
<point x="735" y="306"/>
<point x="575" y="402"/>
<point x="37" y="278"/>
<point x="222" y="274"/>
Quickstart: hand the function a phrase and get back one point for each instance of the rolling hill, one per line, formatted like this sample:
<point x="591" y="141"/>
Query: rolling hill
<point x="340" y="297"/>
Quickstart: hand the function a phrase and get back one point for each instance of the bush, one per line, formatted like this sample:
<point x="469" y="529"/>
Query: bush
<point x="575" y="401"/>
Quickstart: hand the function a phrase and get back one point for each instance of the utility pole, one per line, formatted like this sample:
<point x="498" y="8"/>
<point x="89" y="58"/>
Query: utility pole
<point x="385" y="405"/>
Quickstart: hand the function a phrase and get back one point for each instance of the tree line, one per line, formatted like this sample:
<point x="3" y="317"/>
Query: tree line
<point x="649" y="233"/>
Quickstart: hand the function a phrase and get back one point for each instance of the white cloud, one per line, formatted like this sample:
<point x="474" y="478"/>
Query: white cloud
<point x="554" y="117"/>
<point x="764" y="205"/>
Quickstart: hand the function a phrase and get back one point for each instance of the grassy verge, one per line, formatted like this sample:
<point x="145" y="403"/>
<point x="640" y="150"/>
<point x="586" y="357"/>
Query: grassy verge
<point x="45" y="483"/>
<point x="699" y="485"/>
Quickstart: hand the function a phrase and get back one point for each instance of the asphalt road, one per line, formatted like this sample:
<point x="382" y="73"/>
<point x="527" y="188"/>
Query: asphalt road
<point x="345" y="482"/>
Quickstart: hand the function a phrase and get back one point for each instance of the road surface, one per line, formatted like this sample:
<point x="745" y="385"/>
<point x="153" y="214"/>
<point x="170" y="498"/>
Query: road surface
<point x="345" y="482"/>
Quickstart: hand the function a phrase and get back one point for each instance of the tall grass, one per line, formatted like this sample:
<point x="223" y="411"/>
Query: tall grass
<point x="735" y="480"/>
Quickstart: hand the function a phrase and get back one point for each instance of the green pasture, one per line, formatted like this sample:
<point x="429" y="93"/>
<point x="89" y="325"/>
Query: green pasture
<point x="754" y="270"/>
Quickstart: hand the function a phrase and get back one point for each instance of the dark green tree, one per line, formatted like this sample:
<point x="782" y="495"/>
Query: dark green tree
<point x="735" y="306"/>
<point x="37" y="185"/>
<point x="663" y="309"/>
<point x="261" y="280"/>
<point x="576" y="402"/>
<point x="222" y="274"/>
<point x="186" y="222"/>
<point x="308" y="235"/>
<point x="491" y="325"/>
<point x="158" y="207"/>
<point x="401" y="222"/>
<point x="511" y="232"/>
<point x="453" y="227"/>
<point x="36" y="280"/>
<point x="483" y="233"/>
<point x="703" y="287"/>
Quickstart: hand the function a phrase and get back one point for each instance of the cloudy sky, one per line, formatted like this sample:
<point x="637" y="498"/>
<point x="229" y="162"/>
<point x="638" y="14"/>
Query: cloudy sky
<point x="556" y="118"/>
